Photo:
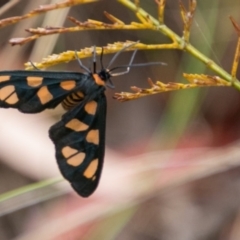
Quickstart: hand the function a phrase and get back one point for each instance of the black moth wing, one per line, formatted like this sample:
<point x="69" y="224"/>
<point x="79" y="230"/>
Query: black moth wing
<point x="79" y="140"/>
<point x="79" y="137"/>
<point x="34" y="91"/>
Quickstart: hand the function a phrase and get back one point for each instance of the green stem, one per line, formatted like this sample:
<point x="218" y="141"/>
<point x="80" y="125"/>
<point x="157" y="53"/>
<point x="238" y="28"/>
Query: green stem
<point x="184" y="46"/>
<point x="28" y="188"/>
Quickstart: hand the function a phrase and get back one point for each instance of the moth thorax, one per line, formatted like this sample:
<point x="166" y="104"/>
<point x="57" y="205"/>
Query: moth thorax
<point x="72" y="100"/>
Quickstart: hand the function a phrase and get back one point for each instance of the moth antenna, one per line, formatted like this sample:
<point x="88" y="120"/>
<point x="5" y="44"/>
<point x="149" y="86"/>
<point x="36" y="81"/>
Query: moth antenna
<point x="127" y="66"/>
<point x="81" y="64"/>
<point x="119" y="52"/>
<point x="101" y="59"/>
<point x="94" y="60"/>
<point x="137" y="65"/>
<point x="34" y="66"/>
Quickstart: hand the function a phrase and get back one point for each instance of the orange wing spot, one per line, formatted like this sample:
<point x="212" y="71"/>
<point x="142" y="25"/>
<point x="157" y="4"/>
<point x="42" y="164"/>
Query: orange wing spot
<point x="34" y="81"/>
<point x="44" y="95"/>
<point x="91" y="107"/>
<point x="68" y="151"/>
<point x="98" y="80"/>
<point x="91" y="169"/>
<point x="68" y="85"/>
<point x="77" y="159"/>
<point x="93" y="137"/>
<point x="8" y="94"/>
<point x="76" y="125"/>
<point x="4" y="78"/>
<point x="12" y="99"/>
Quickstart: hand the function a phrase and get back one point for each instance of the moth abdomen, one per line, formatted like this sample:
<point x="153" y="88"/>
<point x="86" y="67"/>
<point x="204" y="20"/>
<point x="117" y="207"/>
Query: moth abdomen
<point x="72" y="100"/>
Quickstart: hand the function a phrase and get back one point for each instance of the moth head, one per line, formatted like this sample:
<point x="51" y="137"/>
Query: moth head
<point x="108" y="72"/>
<point x="105" y="74"/>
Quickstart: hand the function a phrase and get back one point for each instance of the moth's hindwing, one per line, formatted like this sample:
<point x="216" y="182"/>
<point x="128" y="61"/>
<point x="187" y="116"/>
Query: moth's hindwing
<point x="79" y="139"/>
<point x="34" y="91"/>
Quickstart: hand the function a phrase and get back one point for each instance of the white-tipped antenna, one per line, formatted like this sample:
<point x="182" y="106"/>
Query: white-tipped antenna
<point x="81" y="64"/>
<point x="135" y="65"/>
<point x="117" y="54"/>
<point x="127" y="66"/>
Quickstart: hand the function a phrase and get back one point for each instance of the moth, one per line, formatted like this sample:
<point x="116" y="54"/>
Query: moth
<point x="79" y="137"/>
